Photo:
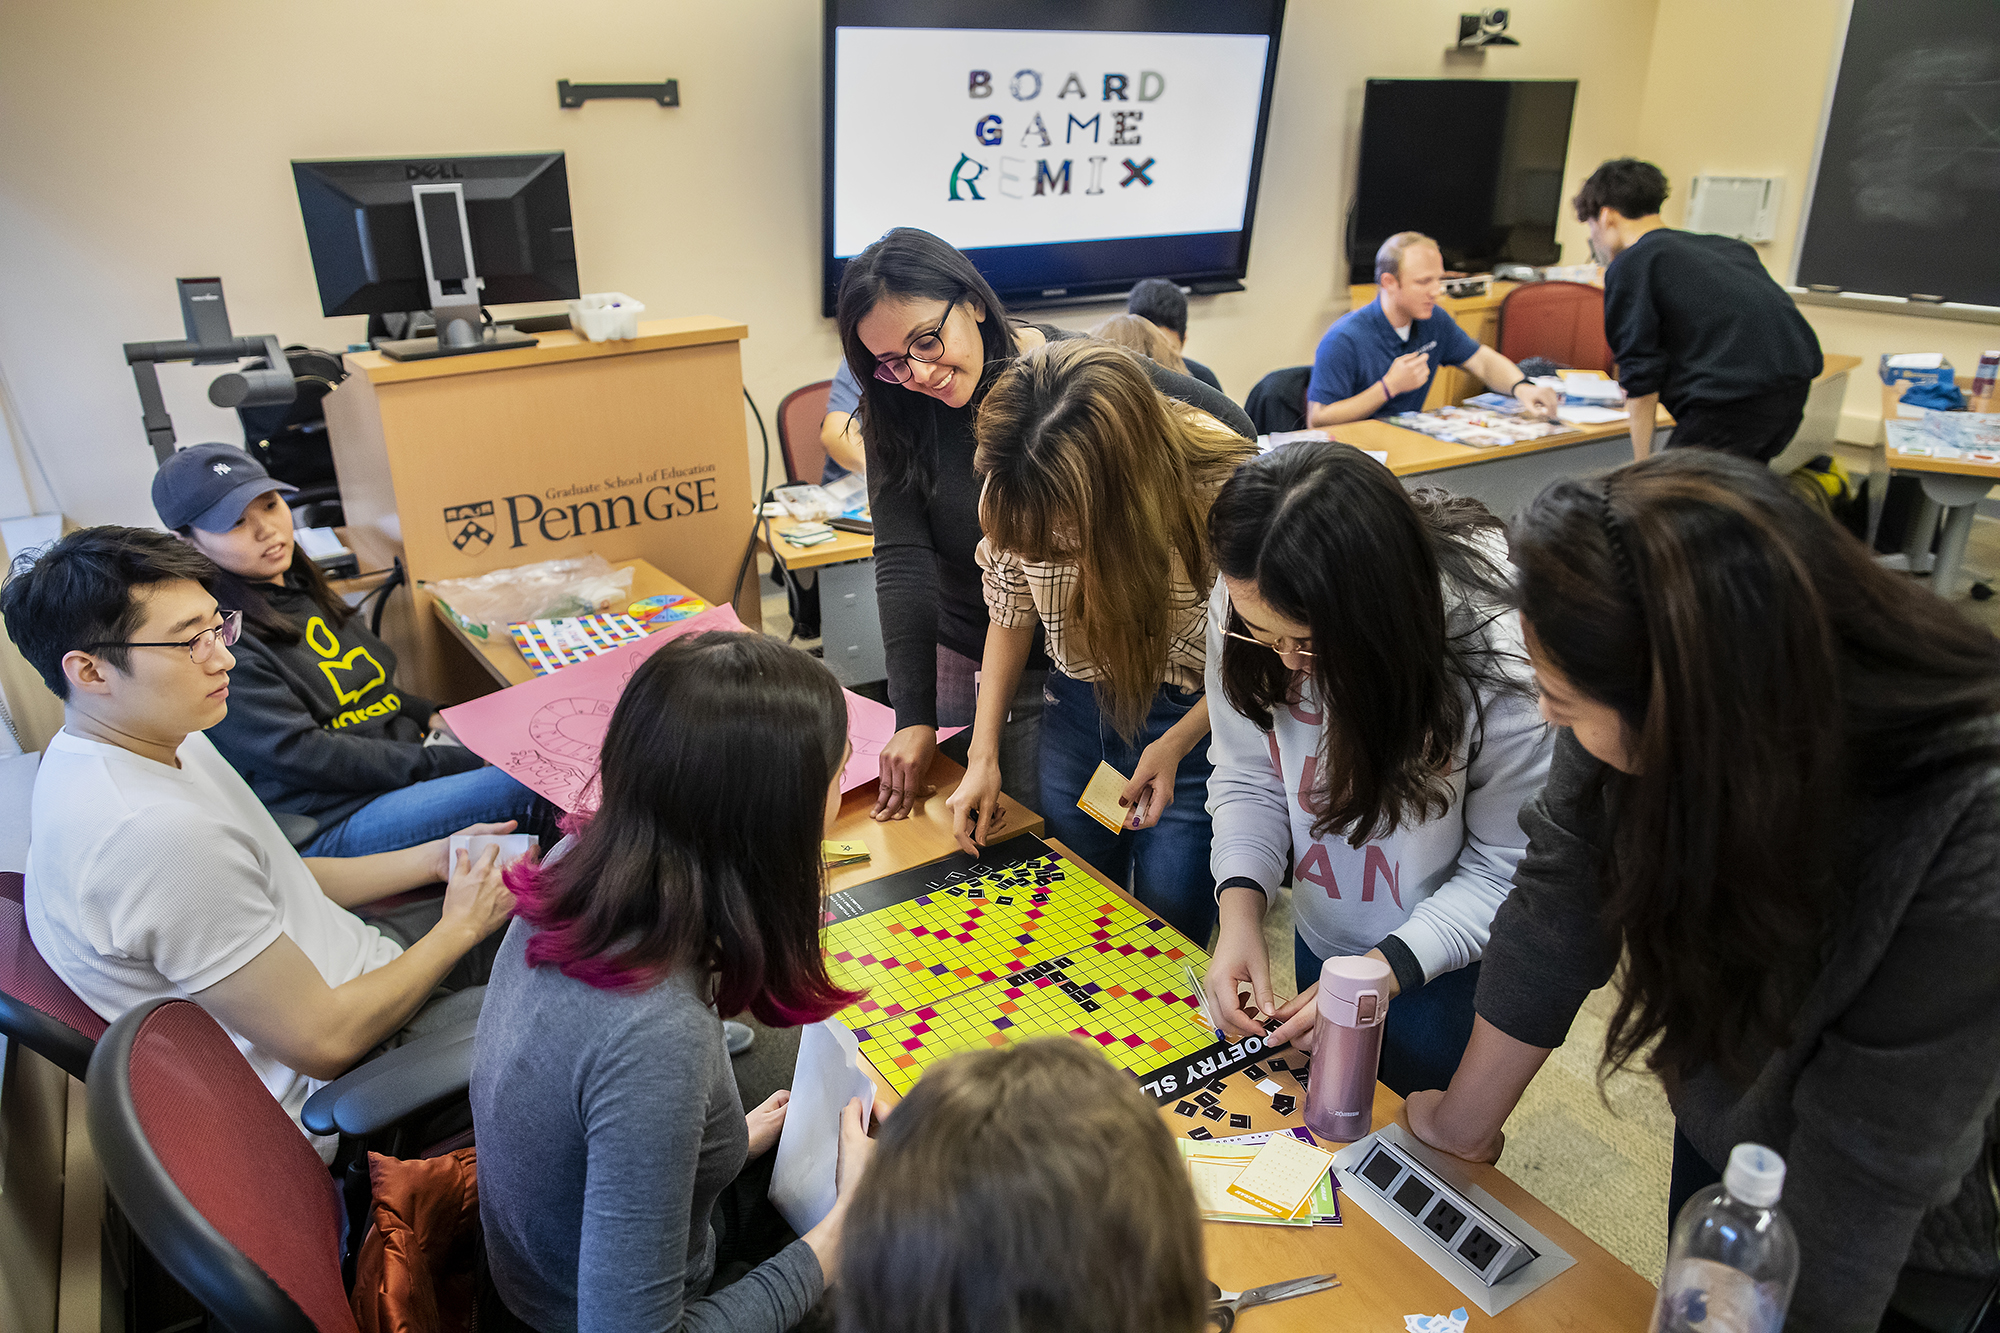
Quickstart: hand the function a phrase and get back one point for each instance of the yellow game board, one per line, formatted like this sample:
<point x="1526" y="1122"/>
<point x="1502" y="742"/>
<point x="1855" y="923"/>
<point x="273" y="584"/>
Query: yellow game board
<point x="967" y="953"/>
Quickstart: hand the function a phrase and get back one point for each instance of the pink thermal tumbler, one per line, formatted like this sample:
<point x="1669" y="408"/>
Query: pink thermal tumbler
<point x="1347" y="1047"/>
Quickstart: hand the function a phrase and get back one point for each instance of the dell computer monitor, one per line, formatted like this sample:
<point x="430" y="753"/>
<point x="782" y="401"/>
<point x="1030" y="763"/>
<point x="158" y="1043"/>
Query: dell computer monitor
<point x="361" y="224"/>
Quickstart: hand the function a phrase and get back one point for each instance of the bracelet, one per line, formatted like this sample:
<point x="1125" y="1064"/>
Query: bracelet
<point x="1383" y="385"/>
<point x="1517" y="384"/>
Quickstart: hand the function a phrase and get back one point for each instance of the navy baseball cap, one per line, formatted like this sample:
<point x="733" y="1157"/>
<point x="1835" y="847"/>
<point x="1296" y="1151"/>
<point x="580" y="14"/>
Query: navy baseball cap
<point x="208" y="486"/>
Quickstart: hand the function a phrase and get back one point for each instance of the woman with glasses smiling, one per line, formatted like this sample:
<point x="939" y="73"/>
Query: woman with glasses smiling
<point x="1378" y="738"/>
<point x="925" y="334"/>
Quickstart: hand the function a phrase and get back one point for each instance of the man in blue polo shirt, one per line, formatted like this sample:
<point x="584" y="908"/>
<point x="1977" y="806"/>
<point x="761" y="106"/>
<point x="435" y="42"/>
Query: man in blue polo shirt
<point x="1379" y="360"/>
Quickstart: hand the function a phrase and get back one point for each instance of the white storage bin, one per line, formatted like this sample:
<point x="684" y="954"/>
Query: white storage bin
<point x="603" y="316"/>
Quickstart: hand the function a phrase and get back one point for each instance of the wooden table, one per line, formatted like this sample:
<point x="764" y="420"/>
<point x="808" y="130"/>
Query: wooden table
<point x="1506" y="477"/>
<point x="503" y="661"/>
<point x="1381" y="1280"/>
<point x="850" y="628"/>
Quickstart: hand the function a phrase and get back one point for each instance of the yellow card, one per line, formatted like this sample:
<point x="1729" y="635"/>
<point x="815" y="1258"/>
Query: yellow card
<point x="1100" y="798"/>
<point x="836" y="853"/>
<point x="1282" y="1176"/>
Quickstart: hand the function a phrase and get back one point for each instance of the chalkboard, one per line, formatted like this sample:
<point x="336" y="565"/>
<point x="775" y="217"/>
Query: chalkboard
<point x="1906" y="200"/>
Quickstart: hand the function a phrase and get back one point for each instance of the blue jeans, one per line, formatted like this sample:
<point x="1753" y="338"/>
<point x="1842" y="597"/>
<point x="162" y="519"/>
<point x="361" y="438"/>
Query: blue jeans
<point x="426" y="810"/>
<point x="1167" y="863"/>
<point x="1427" y="1028"/>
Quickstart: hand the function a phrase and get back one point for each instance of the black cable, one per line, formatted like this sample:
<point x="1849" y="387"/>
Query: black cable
<point x="763" y="495"/>
<point x="397" y="574"/>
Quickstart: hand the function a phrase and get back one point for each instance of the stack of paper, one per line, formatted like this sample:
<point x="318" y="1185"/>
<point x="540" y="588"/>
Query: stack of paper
<point x="1217" y="1168"/>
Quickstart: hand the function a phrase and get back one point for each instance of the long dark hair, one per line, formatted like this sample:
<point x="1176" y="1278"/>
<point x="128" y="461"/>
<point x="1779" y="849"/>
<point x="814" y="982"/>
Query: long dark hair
<point x="704" y="852"/>
<point x="1767" y="672"/>
<point x="899" y="425"/>
<point x="1086" y="462"/>
<point x="1333" y="541"/>
<point x="236" y="593"/>
<point x="1027" y="1188"/>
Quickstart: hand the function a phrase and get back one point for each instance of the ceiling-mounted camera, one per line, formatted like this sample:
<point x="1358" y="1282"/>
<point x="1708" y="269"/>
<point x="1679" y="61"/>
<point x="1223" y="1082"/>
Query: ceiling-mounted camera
<point x="1486" y="28"/>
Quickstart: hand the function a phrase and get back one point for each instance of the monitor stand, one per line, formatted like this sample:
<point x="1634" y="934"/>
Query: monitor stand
<point x="498" y="338"/>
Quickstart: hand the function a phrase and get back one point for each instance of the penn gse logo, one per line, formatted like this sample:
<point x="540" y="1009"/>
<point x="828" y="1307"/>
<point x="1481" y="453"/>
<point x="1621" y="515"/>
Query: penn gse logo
<point x="468" y="533"/>
<point x="435" y="171"/>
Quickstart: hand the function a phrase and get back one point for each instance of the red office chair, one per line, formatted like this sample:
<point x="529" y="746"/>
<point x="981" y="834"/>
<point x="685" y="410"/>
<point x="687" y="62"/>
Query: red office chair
<point x="799" y="416"/>
<point x="1563" y="321"/>
<point x="214" y="1178"/>
<point x="36" y="1008"/>
<point x="212" y="1174"/>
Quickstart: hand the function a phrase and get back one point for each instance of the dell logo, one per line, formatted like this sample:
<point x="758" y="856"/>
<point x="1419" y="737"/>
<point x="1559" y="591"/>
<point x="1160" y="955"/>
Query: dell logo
<point x="441" y="171"/>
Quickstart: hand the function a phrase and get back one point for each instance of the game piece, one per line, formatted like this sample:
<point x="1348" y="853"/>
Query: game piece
<point x="1219" y="1085"/>
<point x="1187" y="1109"/>
<point x="1213" y="1113"/>
<point x="1206" y="1098"/>
<point x="1269" y="1087"/>
<point x="1278" y="1062"/>
<point x="1254" y="1071"/>
<point x="1283" y="1175"/>
<point x="1239" y="1122"/>
<point x="1200" y="1132"/>
<point x="1284" y="1104"/>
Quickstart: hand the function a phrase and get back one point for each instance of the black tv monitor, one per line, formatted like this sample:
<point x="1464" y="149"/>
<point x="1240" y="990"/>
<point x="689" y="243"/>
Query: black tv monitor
<point x="361" y="225"/>
<point x="1069" y="147"/>
<point x="1475" y="163"/>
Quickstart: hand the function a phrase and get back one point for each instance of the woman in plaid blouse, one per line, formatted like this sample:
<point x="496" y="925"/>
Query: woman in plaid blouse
<point x="1095" y="510"/>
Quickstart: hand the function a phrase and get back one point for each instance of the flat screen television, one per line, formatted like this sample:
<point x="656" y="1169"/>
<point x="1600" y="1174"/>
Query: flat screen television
<point x="1475" y="163"/>
<point x="1069" y="147"/>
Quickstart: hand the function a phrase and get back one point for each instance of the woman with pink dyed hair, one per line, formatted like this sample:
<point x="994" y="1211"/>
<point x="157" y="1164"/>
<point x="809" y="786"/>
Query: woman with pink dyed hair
<point x="611" y="1133"/>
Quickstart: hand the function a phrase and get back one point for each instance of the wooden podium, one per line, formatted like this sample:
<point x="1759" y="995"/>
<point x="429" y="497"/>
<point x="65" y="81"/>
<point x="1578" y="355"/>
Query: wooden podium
<point x="473" y="463"/>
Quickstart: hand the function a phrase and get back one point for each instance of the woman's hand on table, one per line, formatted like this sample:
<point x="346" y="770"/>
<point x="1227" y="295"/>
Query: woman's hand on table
<point x="905" y="762"/>
<point x="976" y="812"/>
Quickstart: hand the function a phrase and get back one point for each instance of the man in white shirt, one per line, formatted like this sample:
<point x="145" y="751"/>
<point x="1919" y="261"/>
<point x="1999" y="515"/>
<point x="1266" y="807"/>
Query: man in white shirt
<point x="154" y="870"/>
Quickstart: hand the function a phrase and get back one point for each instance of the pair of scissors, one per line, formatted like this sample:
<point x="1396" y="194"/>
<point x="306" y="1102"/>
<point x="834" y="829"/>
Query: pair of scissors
<point x="1222" y="1314"/>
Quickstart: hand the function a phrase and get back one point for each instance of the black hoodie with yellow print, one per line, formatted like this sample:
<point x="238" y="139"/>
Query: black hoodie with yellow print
<point x="321" y="727"/>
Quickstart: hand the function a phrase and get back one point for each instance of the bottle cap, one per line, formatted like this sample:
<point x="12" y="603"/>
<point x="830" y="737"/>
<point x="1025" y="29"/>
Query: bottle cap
<point x="1354" y="991"/>
<point x="1756" y="1175"/>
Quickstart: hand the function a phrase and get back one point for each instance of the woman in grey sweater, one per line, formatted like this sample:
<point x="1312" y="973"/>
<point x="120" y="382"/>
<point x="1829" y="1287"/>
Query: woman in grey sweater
<point x="608" y="1116"/>
<point x="1776" y="800"/>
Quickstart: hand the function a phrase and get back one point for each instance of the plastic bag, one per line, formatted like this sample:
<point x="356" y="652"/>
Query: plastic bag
<point x="486" y="604"/>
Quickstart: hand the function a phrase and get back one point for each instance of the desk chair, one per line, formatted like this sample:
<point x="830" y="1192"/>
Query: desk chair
<point x="1563" y="321"/>
<point x="37" y="1008"/>
<point x="212" y="1175"/>
<point x="1278" y="401"/>
<point x="799" y="416"/>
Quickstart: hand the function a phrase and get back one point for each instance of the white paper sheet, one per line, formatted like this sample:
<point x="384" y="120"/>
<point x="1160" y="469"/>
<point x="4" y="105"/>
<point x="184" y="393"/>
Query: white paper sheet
<point x="513" y="846"/>
<point x="1581" y="415"/>
<point x="828" y="1076"/>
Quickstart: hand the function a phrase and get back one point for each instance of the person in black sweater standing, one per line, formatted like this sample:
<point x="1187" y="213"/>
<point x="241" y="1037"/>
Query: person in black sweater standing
<point x="925" y="334"/>
<point x="1694" y="322"/>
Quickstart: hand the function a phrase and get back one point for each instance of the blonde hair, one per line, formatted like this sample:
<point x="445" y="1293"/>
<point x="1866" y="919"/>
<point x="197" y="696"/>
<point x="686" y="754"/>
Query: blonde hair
<point x="1087" y="463"/>
<point x="1136" y="333"/>
<point x="1389" y="259"/>
<point x="1030" y="1187"/>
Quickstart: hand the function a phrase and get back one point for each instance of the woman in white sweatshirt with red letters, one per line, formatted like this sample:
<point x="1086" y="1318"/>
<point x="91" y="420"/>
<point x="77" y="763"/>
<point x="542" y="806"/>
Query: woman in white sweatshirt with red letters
<point x="1379" y="738"/>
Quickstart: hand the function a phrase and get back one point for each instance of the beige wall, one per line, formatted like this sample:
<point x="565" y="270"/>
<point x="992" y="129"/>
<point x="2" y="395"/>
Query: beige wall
<point x="1738" y="88"/>
<point x="147" y="142"/>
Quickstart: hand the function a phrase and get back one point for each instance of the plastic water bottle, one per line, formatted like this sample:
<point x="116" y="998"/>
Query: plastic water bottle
<point x="1347" y="1047"/>
<point x="1733" y="1259"/>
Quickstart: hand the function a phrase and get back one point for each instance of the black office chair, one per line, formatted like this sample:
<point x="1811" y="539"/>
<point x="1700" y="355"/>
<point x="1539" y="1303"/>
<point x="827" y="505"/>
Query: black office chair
<point x="1278" y="402"/>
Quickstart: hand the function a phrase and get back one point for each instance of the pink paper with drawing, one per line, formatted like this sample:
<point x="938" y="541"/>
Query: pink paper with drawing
<point x="547" y="732"/>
